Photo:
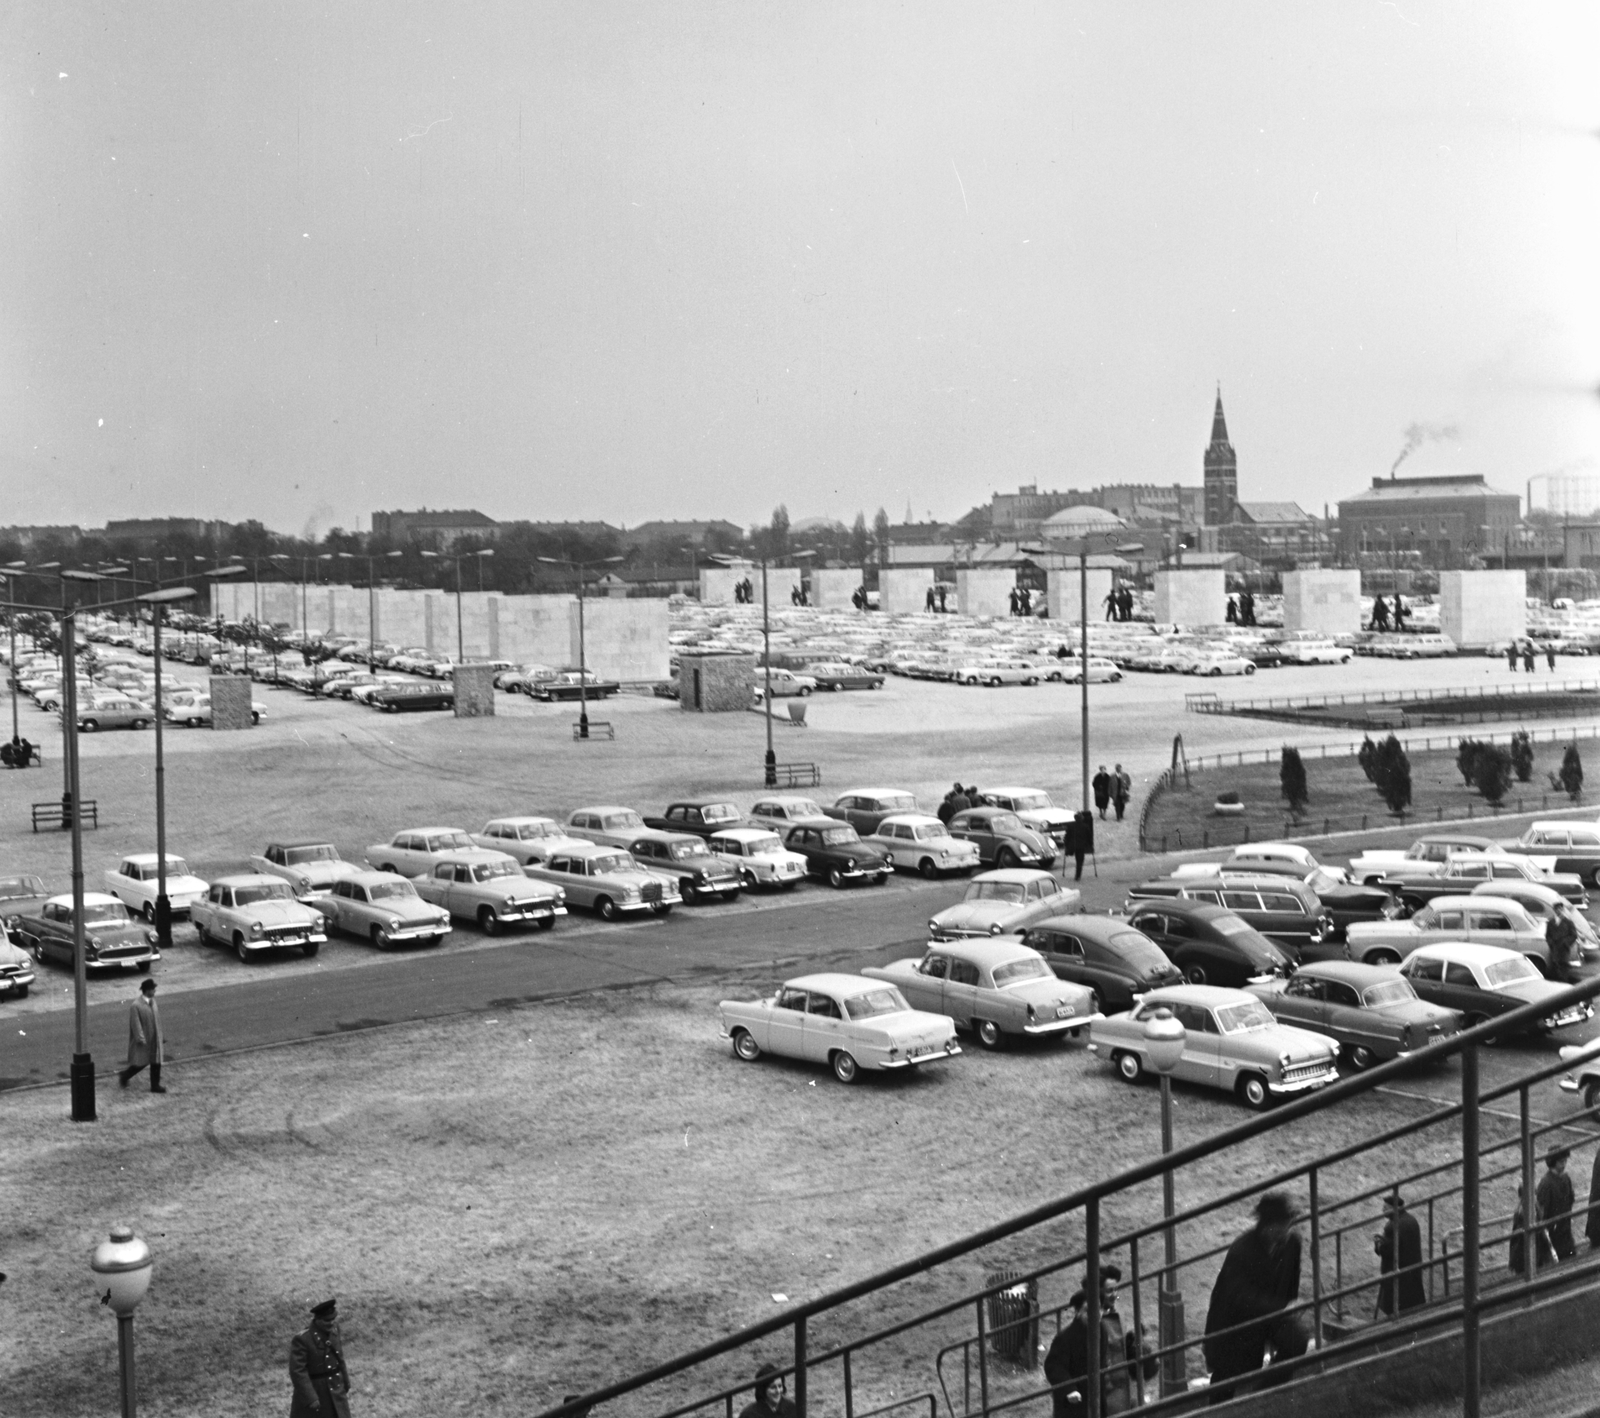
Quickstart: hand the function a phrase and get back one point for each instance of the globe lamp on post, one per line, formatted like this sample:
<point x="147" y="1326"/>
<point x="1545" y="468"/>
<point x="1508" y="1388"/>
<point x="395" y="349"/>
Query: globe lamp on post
<point x="1165" y="1038"/>
<point x="123" y="1265"/>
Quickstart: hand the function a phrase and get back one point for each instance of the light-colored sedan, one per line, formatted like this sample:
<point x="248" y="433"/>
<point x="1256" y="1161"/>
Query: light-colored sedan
<point x="417" y="851"/>
<point x="1101" y="671"/>
<point x="759" y="856"/>
<point x="1483" y="920"/>
<point x="848" y="1022"/>
<point x="257" y="912"/>
<point x="783" y="810"/>
<point x="134" y="881"/>
<point x="997" y="671"/>
<point x="1233" y="1043"/>
<point x="384" y="909"/>
<point x="609" y="826"/>
<point x="785" y="683"/>
<point x="994" y="988"/>
<point x="606" y="880"/>
<point x="196" y="714"/>
<point x="113" y="711"/>
<point x="1034" y="807"/>
<point x="1219" y="663"/>
<point x="490" y="888"/>
<point x="527" y="839"/>
<point x="1483" y="982"/>
<point x="999" y="902"/>
<point x="311" y="868"/>
<point x="915" y="841"/>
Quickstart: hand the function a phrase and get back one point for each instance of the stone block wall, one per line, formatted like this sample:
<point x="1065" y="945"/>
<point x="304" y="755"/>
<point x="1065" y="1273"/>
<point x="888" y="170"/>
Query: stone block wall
<point x="1062" y="591"/>
<point x="1327" y="602"/>
<point x="230" y="702"/>
<point x="985" y="590"/>
<point x="474" y="685"/>
<point x="1191" y="597"/>
<point x="1477" y="608"/>
<point x="715" y="683"/>
<point x="903" y="590"/>
<point x="832" y="587"/>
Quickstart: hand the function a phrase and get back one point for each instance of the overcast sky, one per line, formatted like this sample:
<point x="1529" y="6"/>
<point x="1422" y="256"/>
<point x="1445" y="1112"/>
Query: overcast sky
<point x="297" y="261"/>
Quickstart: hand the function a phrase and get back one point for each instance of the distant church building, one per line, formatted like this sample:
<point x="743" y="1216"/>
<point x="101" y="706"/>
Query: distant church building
<point x="1221" y="471"/>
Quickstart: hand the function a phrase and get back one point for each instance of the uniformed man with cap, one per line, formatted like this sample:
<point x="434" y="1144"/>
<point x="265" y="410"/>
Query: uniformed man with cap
<point x="316" y="1367"/>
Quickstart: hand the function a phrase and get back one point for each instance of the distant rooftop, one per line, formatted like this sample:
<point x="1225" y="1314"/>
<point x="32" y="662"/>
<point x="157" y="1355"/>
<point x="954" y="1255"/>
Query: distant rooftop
<point x="1411" y="489"/>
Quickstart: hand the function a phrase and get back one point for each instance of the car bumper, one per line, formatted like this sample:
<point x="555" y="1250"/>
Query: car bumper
<point x="1071" y="1024"/>
<point x="1568" y="1017"/>
<point x="1304" y="1085"/>
<point x="949" y="1051"/>
<point x="541" y="912"/>
<point x="10" y="984"/>
<point x="419" y="932"/>
<point x="286" y="940"/>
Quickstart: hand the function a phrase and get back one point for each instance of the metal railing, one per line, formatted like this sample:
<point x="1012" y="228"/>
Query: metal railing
<point x="1207" y="702"/>
<point x="925" y="1310"/>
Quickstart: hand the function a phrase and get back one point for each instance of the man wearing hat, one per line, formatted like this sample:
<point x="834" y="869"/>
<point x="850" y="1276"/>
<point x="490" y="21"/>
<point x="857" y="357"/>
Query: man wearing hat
<point x="1399" y="1248"/>
<point x="144" y="1037"/>
<point x="316" y="1367"/>
<point x="1259" y="1280"/>
<point x="770" y="1400"/>
<point x="1554" y="1202"/>
<point x="1067" y="1363"/>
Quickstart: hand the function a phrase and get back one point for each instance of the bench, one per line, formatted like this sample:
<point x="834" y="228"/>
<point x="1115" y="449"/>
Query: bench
<point x="1386" y="718"/>
<point x="57" y="814"/>
<point x="598" y="729"/>
<point x="798" y="775"/>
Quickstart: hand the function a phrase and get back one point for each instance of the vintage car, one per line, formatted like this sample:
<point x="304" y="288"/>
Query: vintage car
<point x="311" y="868"/>
<point x="848" y="1022"/>
<point x="702" y="816"/>
<point x="701" y="874"/>
<point x="1008" y="900"/>
<point x="362" y="693"/>
<point x="196" y="713"/>
<point x="418" y="850"/>
<point x="607" y="826"/>
<point x="134" y="880"/>
<point x="114" y="712"/>
<point x="1483" y="981"/>
<point x="1342" y="902"/>
<point x="836" y="675"/>
<point x="1584" y="1077"/>
<point x="865" y="808"/>
<point x="1485" y="920"/>
<point x="920" y="843"/>
<point x="112" y="939"/>
<point x="570" y="684"/>
<point x="1543" y="905"/>
<point x="997" y="671"/>
<point x="606" y="880"/>
<point x="16" y="969"/>
<point x="835" y="853"/>
<point x="784" y="810"/>
<point x="1575" y="847"/>
<point x="488" y="887"/>
<point x="1463" y="872"/>
<point x="411" y="697"/>
<point x="1117" y="963"/>
<point x="19" y="896"/>
<point x="759" y="856"/>
<point x="785" y="683"/>
<point x="257" y="912"/>
<point x="1101" y="671"/>
<point x="1216" y="663"/>
<point x="384" y="909"/>
<point x="1371" y="1012"/>
<point x="1232" y="1042"/>
<point x="1286" y="912"/>
<point x="526" y="839"/>
<point x="1034" y="807"/>
<point x="993" y="987"/>
<point x="1002" y="839"/>
<point x="1425" y="854"/>
<point x="1210" y="944"/>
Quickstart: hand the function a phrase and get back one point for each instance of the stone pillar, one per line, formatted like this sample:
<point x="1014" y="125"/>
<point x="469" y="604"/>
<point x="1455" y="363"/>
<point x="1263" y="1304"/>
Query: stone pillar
<point x="1324" y="602"/>
<point x="474" y="686"/>
<point x="1061" y="592"/>
<point x="715" y="682"/>
<point x="230" y="702"/>
<point x="717" y="583"/>
<point x="903" y="590"/>
<point x="1477" y="608"/>
<point x="623" y="640"/>
<point x="985" y="590"/>
<point x="1191" y="597"/>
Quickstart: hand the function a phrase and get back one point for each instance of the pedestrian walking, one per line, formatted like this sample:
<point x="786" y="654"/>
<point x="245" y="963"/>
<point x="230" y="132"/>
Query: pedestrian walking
<point x="1231" y="615"/>
<point x="1380" y="613"/>
<point x="1121" y="1355"/>
<point x="1065" y="1401"/>
<point x="1111" y="604"/>
<point x="1127" y="602"/>
<point x="317" y="1368"/>
<point x="1249" y="1313"/>
<point x="1516" y="1249"/>
<point x="1101" y="783"/>
<point x="1399" y="1248"/>
<point x="770" y="1400"/>
<point x="144" y="1037"/>
<point x="927" y="600"/>
<point x="1121" y="790"/>
<point x="1554" y="1202"/>
<point x="1511" y="657"/>
<point x="1550" y="656"/>
<point x="1527" y="656"/>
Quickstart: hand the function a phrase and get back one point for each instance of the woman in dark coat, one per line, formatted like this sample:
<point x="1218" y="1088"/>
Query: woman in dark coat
<point x="1399" y="1248"/>
<point x="1259" y="1279"/>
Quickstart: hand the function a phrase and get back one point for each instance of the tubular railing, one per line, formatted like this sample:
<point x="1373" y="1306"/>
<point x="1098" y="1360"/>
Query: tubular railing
<point x="925" y="1311"/>
<point x="1205" y="702"/>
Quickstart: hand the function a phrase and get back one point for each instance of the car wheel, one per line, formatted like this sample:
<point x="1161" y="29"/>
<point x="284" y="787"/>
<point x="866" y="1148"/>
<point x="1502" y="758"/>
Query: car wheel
<point x="1249" y="669"/>
<point x="804" y="691"/>
<point x="835" y="878"/>
<point x="1130" y="1066"/>
<point x="88" y="726"/>
<point x="988" y="1033"/>
<point x="255" y="716"/>
<point x="192" y="723"/>
<point x="140" y="724"/>
<point x="927" y="869"/>
<point x="1032" y="680"/>
<point x="845" y="1068"/>
<point x="380" y="937"/>
<point x="22" y="991"/>
<point x="1216" y="672"/>
<point x="1382" y="957"/>
<point x="1253" y="1092"/>
<point x="606" y="908"/>
<point x="1591" y="1094"/>
<point x="748" y="879"/>
<point x="745" y="1047"/>
<point x="149" y="911"/>
<point x="1195" y="974"/>
<point x="488" y="922"/>
<point x="1005" y="859"/>
<point x="688" y="892"/>
<point x="1474" y="1020"/>
<point x="994" y="682"/>
<point x="240" y="948"/>
<point x="312" y="947"/>
<point x="1361" y="1058"/>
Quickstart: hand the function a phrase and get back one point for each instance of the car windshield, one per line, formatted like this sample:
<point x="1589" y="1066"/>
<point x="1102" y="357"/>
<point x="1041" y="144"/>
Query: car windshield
<point x="1139" y="951"/>
<point x="875" y="1002"/>
<point x="13" y="887"/>
<point x="996" y="891"/>
<point x="249" y="895"/>
<point x="684" y="851"/>
<point x="1508" y="972"/>
<point x="533" y="831"/>
<point x="719" y="812"/>
<point x="897" y="802"/>
<point x="296" y="856"/>
<point x="1244" y="1017"/>
<point x="488" y="871"/>
<point x="760" y="846"/>
<point x="1032" y="802"/>
<point x="392" y="890"/>
<point x="600" y="866"/>
<point x="449" y="841"/>
<point x="104" y="913"/>
<point x="1015" y="971"/>
<point x="1322" y="880"/>
<point x="624" y="819"/>
<point x="1389" y="992"/>
<point x="802" y="807"/>
<point x="839" y="836"/>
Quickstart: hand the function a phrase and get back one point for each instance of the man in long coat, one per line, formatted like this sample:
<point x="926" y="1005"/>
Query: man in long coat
<point x="317" y="1369"/>
<point x="1399" y="1248"/>
<point x="1554" y="1202"/>
<point x="1101" y="783"/>
<point x="1259" y="1280"/>
<point x="144" y="1038"/>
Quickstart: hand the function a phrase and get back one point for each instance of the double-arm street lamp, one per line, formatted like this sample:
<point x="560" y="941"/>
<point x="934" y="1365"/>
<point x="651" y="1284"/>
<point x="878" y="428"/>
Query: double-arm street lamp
<point x="372" y="596"/>
<point x="458" y="558"/>
<point x="582" y="568"/>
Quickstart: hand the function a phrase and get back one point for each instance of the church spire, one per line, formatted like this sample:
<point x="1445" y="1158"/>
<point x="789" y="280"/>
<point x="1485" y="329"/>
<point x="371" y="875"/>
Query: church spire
<point x="1219" y="423"/>
<point x="1221" y="466"/>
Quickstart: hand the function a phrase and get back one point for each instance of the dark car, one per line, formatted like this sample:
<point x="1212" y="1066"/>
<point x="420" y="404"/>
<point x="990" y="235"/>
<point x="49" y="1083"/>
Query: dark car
<point x="1285" y="911"/>
<point x="1483" y="982"/>
<point x="408" y="698"/>
<point x="1108" y="955"/>
<point x="1343" y="902"/>
<point x="701" y="816"/>
<point x="1574" y="845"/>
<point x="112" y="939"/>
<point x="835" y="852"/>
<point x="865" y="808"/>
<point x="836" y="675"/>
<point x="1002" y="838"/>
<point x="20" y="896"/>
<point x="570" y="684"/>
<point x="700" y="873"/>
<point x="1210" y="944"/>
<point x="1269" y="657"/>
<point x="1372" y="1013"/>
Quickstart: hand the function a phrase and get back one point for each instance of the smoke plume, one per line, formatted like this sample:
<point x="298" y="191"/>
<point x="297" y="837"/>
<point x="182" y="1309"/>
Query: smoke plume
<point x="1420" y="433"/>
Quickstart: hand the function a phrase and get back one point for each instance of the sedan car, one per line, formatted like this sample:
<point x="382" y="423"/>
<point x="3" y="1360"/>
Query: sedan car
<point x="1484" y="981"/>
<point x="255" y="913"/>
<point x="570" y="684"/>
<point x="418" y="850"/>
<point x="1342" y="902"/>
<point x="1215" y="664"/>
<point x="1000" y="901"/>
<point x="1435" y="849"/>
<point x="1002" y="839"/>
<point x="759" y="856"/>
<point x="490" y="888"/>
<point x="1543" y="905"/>
<point x="835" y="853"/>
<point x="196" y="714"/>
<point x="783" y="810"/>
<point x="701" y="816"/>
<point x="865" y="808"/>
<point x="846" y="1021"/>
<point x="112" y="939"/>
<point x="1575" y="846"/>
<point x="1485" y="920"/>
<point x="114" y="712"/>
<point x="311" y="868"/>
<point x="1232" y="1042"/>
<point x="525" y="839"/>
<point x="387" y="911"/>
<point x="996" y="672"/>
<point x="993" y="987"/>
<point x="1034" y="807"/>
<point x="413" y="697"/>
<point x="1286" y="912"/>
<point x="1117" y="963"/>
<point x="1101" y="671"/>
<point x="20" y="895"/>
<point x="1210" y="944"/>
<point x="134" y="881"/>
<point x="16" y="969"/>
<point x="923" y="844"/>
<point x="608" y="826"/>
<point x="1368" y="1010"/>
<point x="606" y="880"/>
<point x="785" y="683"/>
<point x="701" y="874"/>
<point x="836" y="675"/>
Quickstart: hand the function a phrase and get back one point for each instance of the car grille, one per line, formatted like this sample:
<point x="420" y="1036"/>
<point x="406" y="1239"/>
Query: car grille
<point x="288" y="932"/>
<point x="651" y="891"/>
<point x="18" y="969"/>
<point x="122" y="952"/>
<point x="1303" y="1073"/>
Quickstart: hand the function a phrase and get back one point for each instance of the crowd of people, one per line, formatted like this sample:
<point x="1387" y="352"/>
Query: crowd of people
<point x="1383" y="614"/>
<point x="1528" y="654"/>
<point x="1119" y="603"/>
<point x="1241" y="609"/>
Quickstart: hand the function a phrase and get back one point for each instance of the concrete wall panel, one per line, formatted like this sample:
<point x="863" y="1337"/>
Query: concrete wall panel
<point x="903" y="590"/>
<point x="623" y="640"/>
<point x="717" y="583"/>
<point x="832" y="587"/>
<point x="534" y="630"/>
<point x="1477" y="608"/>
<point x="985" y="591"/>
<point x="1326" y="602"/>
<point x="230" y="702"/>
<point x="1062" y="591"/>
<point x="1190" y="597"/>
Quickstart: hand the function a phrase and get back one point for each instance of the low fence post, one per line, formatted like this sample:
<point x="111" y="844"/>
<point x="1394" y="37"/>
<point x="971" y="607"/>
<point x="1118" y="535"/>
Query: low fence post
<point x="1471" y="1352"/>
<point x="800" y="1367"/>
<point x="1316" y="1261"/>
<point x="849" y="1389"/>
<point x="983" y="1359"/>
<point x="1528" y="1228"/>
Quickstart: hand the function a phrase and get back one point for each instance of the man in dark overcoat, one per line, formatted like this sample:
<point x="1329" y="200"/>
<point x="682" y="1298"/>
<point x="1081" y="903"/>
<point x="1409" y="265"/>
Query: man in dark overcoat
<point x="1554" y="1201"/>
<point x="1101" y="783"/>
<point x="1259" y="1280"/>
<point x="1399" y="1248"/>
<point x="144" y="1037"/>
<point x="317" y="1369"/>
<point x="1120" y="1355"/>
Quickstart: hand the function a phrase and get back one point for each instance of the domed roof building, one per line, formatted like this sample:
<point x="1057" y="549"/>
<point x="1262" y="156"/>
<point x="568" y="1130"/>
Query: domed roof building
<point x="1072" y="523"/>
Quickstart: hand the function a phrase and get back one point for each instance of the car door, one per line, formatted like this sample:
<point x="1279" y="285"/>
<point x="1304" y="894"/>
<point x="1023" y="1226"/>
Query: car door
<point x="961" y="1001"/>
<point x="786" y="1029"/>
<point x="1064" y="954"/>
<point x="924" y="987"/>
<point x="1353" y="1024"/>
<point x="1457" y="989"/>
<point x="1432" y="926"/>
<point x="203" y="914"/>
<point x="1201" y="1054"/>
<point x="823" y="1030"/>
<point x="1303" y="1001"/>
<point x="1489" y="926"/>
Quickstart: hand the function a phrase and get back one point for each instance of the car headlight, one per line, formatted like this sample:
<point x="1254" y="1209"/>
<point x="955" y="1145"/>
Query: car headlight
<point x="561" y="897"/>
<point x="933" y="925"/>
<point x="995" y="928"/>
<point x="152" y="937"/>
<point x="1283" y="1062"/>
<point x="256" y="928"/>
<point x="394" y="923"/>
<point x="305" y="883"/>
<point x="630" y="893"/>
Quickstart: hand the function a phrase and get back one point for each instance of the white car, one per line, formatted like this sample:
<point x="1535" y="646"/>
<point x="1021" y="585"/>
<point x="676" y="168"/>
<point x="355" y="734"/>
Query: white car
<point x="1222" y="663"/>
<point x="997" y="671"/>
<point x="759" y="856"/>
<point x="418" y="850"/>
<point x="196" y="713"/>
<point x="782" y="811"/>
<point x="1316" y="652"/>
<point x="784" y="683"/>
<point x="608" y="826"/>
<point x="1101" y="671"/>
<point x="527" y="839"/>
<point x="920" y="843"/>
<point x="133" y="881"/>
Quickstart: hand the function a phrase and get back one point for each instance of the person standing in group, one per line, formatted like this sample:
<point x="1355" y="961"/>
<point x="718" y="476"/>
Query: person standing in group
<point x="1101" y="783"/>
<point x="1527" y="656"/>
<point x="1591" y="1227"/>
<point x="1112" y="604"/>
<point x="1250" y="1302"/>
<point x="144" y="1037"/>
<point x="1550" y="656"/>
<point x="1121" y="790"/>
<point x="770" y="1400"/>
<point x="1399" y="1248"/>
<point x="1121" y="1353"/>
<point x="1553" y="1201"/>
<point x="317" y="1369"/>
<point x="1380" y="613"/>
<point x="1516" y="1247"/>
<point x="1511" y="656"/>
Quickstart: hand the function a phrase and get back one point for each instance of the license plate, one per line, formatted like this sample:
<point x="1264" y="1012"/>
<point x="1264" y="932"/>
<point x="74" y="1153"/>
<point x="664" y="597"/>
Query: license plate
<point x="919" y="1051"/>
<point x="1063" y="1011"/>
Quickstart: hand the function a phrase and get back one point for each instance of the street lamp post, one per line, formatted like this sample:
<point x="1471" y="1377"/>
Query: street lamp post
<point x="123" y="1265"/>
<point x="1165" y="1038"/>
<point x="158" y="601"/>
<point x="461" y="653"/>
<point x="82" y="1071"/>
<point x="582" y="568"/>
<point x="372" y="599"/>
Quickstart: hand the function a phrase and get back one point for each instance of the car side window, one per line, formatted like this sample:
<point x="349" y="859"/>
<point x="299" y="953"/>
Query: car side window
<point x="1506" y="870"/>
<point x="792" y="999"/>
<point x="1218" y="898"/>
<point x="1458" y="975"/>
<point x="1303" y="987"/>
<point x="1193" y="1018"/>
<point x="1241" y="900"/>
<point x="963" y="972"/>
<point x="1180" y="929"/>
<point x="463" y="873"/>
<point x="1584" y="839"/>
<point x="1419" y="967"/>
<point x="823" y="1006"/>
<point x="275" y="856"/>
<point x="1287" y="904"/>
<point x="935" y="967"/>
<point x="1490" y="921"/>
<point x="1068" y="945"/>
<point x="1340" y="993"/>
<point x="1447" y="921"/>
<point x="215" y="895"/>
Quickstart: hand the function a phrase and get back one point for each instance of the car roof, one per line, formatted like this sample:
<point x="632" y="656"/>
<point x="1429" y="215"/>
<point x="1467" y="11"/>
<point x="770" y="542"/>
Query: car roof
<point x="581" y="848"/>
<point x="293" y="846"/>
<point x="520" y="821"/>
<point x="250" y="878"/>
<point x="704" y="802"/>
<point x="785" y="798"/>
<point x="834" y="982"/>
<point x="148" y="858"/>
<point x="1201" y="910"/>
<point x="1471" y="898"/>
<point x="988" y="951"/>
<point x="1348" y="971"/>
<point x="658" y="834"/>
<point x="372" y="878"/>
<point x="603" y="807"/>
<point x="1207" y="996"/>
<point x="744" y="834"/>
<point x="90" y="898"/>
<point x="474" y="854"/>
<point x="404" y="830"/>
<point x="1465" y="952"/>
<point x="1547" y="824"/>
<point x="1446" y="838"/>
<point x="916" y="819"/>
<point x="876" y="792"/>
<point x="1275" y="880"/>
<point x="1515" y="890"/>
<point x="1086" y="923"/>
<point x="1017" y="874"/>
<point x="1011" y="790"/>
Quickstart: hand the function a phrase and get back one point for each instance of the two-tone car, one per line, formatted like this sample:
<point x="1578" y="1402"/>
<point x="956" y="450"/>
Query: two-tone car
<point x="135" y="882"/>
<point x="998" y="902"/>
<point x="1118" y="964"/>
<point x="1231" y="1042"/>
<point x="570" y="685"/>
<point x="1287" y="912"/>
<point x="1002" y="839"/>
<point x="836" y="675"/>
<point x="16" y="968"/>
<point x="1210" y="944"/>
<point x="1545" y="905"/>
<point x="311" y="868"/>
<point x="865" y="808"/>
<point x="919" y="842"/>
<point x="1034" y="807"/>
<point x="609" y="826"/>
<point x="1574" y="846"/>
<point x="1465" y="872"/>
<point x="1483" y="920"/>
<point x="996" y="988"/>
<point x="850" y="1023"/>
<point x="1428" y="853"/>
<point x="835" y="853"/>
<point x="475" y="884"/>
<point x="418" y="850"/>
<point x="411" y="697"/>
<point x="759" y="856"/>
<point x="257" y="912"/>
<point x="606" y="880"/>
<point x="701" y="816"/>
<point x="526" y="840"/>
<point x="784" y="683"/>
<point x="20" y="896"/>
<point x="1370" y="1011"/>
<point x="1482" y="982"/>
<point x="384" y="909"/>
<point x="701" y="874"/>
<point x="114" y="711"/>
<point x="112" y="938"/>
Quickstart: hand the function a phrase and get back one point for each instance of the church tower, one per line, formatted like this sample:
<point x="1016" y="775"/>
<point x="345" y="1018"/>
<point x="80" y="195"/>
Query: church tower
<point x="1222" y="470"/>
